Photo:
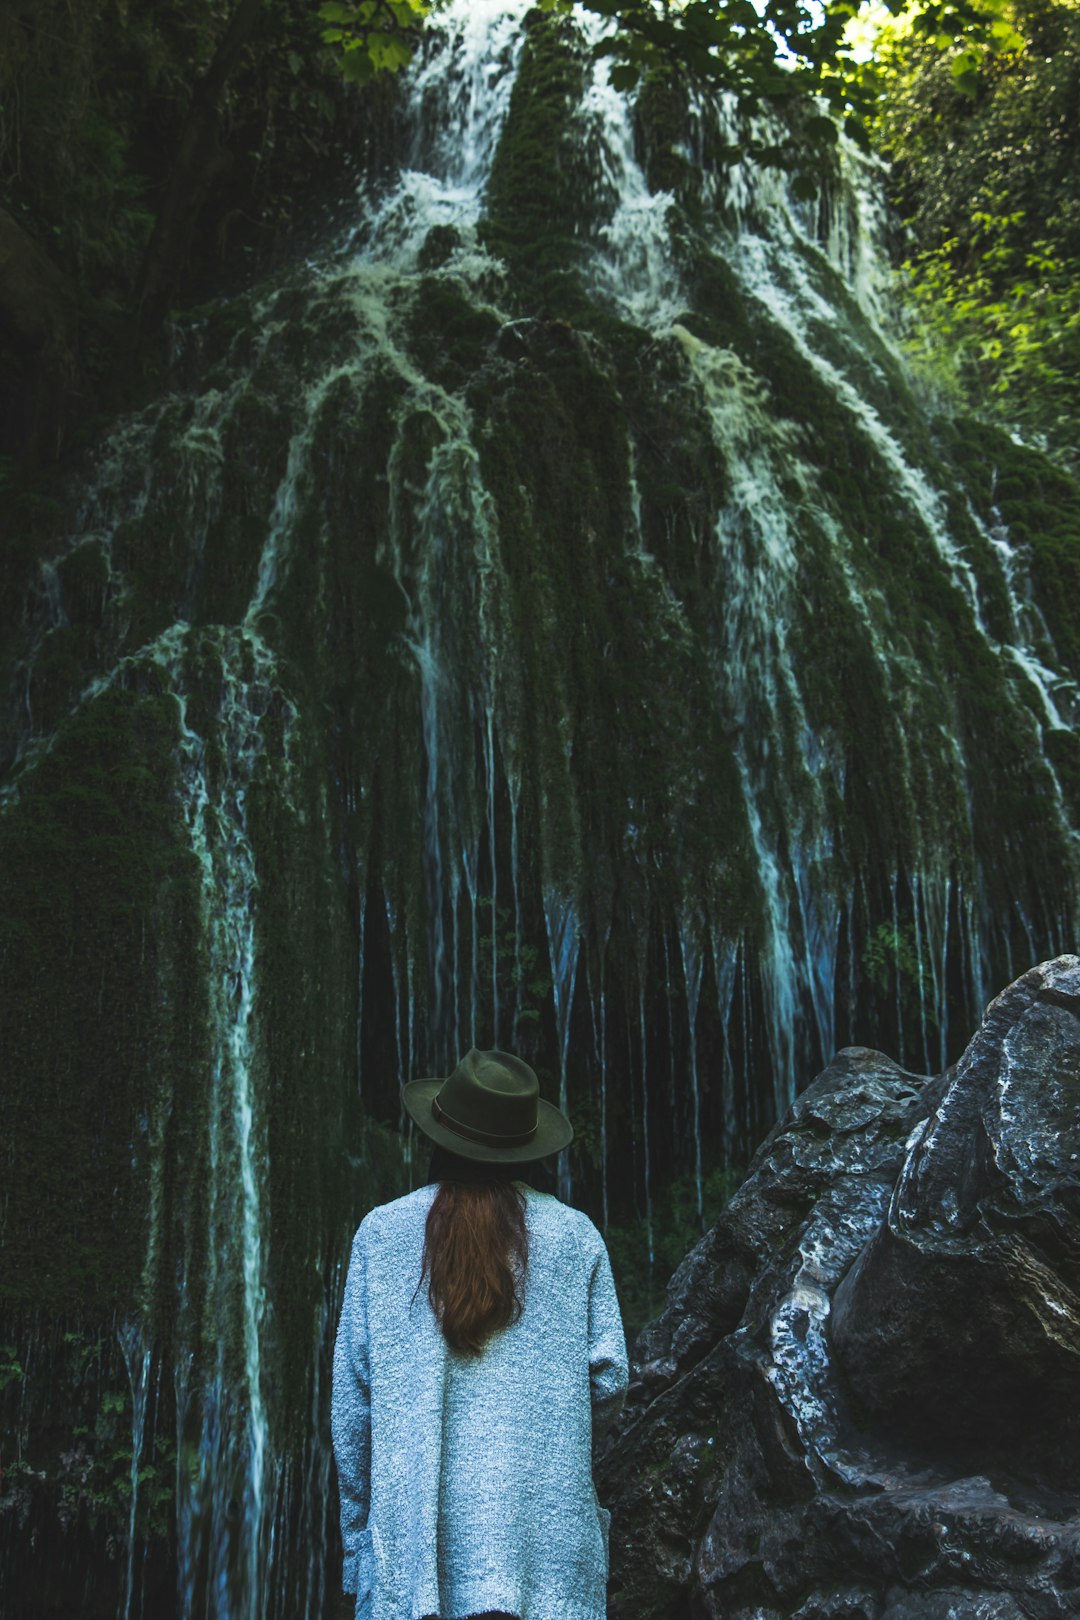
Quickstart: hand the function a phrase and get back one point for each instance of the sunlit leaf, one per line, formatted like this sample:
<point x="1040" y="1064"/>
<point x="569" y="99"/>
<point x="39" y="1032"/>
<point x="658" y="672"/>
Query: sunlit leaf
<point x="1005" y="36"/>
<point x="388" y="52"/>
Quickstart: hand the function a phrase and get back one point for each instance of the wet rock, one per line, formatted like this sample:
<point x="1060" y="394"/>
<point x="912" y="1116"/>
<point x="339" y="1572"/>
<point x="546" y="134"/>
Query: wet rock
<point x="439" y="245"/>
<point x="862" y="1398"/>
<point x="980" y="1252"/>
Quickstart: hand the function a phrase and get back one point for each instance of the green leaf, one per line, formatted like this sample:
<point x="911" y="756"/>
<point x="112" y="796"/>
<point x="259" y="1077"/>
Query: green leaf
<point x="963" y="61"/>
<point x="406" y="14"/>
<point x="967" y="82"/>
<point x="822" y="129"/>
<point x="388" y="52"/>
<point x="624" y="75"/>
<point x="1005" y="37"/>
<point x="356" y="66"/>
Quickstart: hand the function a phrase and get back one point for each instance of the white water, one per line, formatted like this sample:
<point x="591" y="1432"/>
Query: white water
<point x="564" y="946"/>
<point x="457" y="98"/>
<point x="216" y="814"/>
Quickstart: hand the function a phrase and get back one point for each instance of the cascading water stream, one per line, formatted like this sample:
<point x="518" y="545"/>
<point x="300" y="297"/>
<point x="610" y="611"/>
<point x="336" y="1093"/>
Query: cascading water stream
<point x="457" y="97"/>
<point x="137" y="1358"/>
<point x="771" y="249"/>
<point x="564" y="946"/>
<point x="693" y="967"/>
<point x="230" y="1533"/>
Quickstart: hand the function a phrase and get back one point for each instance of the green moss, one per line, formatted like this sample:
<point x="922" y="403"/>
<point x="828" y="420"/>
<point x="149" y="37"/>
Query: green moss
<point x="1040" y="504"/>
<point x="607" y="663"/>
<point x="199" y="561"/>
<point x="660" y="123"/>
<point x="542" y="189"/>
<point x="83" y="576"/>
<point x="941" y="692"/>
<point x="59" y="673"/>
<point x="97" y="926"/>
<point x="718" y="311"/>
<point x="449" y="336"/>
<point x="1063" y="752"/>
<point x="304" y="974"/>
<point x="33" y="514"/>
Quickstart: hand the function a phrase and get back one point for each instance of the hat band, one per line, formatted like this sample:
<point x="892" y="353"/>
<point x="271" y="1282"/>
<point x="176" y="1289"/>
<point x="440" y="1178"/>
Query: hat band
<point x="486" y="1138"/>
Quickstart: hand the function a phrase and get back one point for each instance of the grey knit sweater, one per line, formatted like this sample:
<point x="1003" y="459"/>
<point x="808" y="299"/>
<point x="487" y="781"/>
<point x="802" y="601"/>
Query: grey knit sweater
<point x="466" y="1482"/>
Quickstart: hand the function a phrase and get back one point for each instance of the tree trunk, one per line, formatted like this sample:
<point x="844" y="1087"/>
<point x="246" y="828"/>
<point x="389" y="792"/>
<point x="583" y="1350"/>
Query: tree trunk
<point x="197" y="161"/>
<point x="39" y="338"/>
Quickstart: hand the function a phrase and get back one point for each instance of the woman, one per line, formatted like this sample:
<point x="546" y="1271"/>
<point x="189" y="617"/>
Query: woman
<point x="479" y="1352"/>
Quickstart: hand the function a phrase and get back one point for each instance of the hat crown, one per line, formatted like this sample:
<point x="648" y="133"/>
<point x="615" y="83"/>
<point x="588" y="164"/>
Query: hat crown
<point x="490" y="1107"/>
<point x="491" y="1092"/>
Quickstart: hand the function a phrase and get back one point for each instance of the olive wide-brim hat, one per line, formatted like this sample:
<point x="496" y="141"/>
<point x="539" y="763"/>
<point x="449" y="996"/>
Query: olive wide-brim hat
<point x="489" y="1108"/>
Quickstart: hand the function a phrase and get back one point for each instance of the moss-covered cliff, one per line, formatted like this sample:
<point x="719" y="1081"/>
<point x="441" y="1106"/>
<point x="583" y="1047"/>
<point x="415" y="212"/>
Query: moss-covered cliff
<point x="547" y="618"/>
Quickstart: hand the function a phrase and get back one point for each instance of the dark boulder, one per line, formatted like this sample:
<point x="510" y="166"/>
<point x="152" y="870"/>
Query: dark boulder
<point x="978" y="1261"/>
<point x="862" y="1397"/>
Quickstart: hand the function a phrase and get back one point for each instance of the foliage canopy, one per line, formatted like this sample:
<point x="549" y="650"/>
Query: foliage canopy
<point x="765" y="51"/>
<point x="984" y="147"/>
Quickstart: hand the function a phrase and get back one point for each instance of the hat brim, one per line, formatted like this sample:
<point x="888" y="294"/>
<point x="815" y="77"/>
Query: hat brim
<point x="553" y="1130"/>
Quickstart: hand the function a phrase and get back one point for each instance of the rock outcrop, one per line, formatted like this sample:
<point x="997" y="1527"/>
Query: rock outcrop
<point x="863" y="1396"/>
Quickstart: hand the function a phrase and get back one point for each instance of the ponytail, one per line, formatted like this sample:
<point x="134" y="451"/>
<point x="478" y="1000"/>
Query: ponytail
<point x="476" y="1252"/>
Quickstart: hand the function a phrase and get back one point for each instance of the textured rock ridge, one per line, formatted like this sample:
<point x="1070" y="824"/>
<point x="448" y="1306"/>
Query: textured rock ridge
<point x="862" y="1397"/>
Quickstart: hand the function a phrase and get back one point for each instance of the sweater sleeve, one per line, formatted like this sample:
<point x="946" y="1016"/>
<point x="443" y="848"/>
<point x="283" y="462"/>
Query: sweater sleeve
<point x="608" y="1367"/>
<point x="350" y="1412"/>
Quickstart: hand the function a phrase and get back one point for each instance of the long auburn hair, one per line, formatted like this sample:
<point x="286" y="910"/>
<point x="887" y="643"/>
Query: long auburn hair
<point x="476" y="1250"/>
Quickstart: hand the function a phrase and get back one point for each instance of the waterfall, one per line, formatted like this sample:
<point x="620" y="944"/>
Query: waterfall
<point x="548" y="617"/>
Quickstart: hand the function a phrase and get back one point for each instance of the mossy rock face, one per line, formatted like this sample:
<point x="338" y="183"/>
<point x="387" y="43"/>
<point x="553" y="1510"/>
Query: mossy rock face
<point x="441" y="242"/>
<point x="1040" y="504"/>
<point x="103" y="999"/>
<point x="661" y="117"/>
<point x="594" y="636"/>
<point x="1063" y="752"/>
<point x="83" y="575"/>
<point x="541" y="194"/>
<point x="306" y="978"/>
<point x="449" y="336"/>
